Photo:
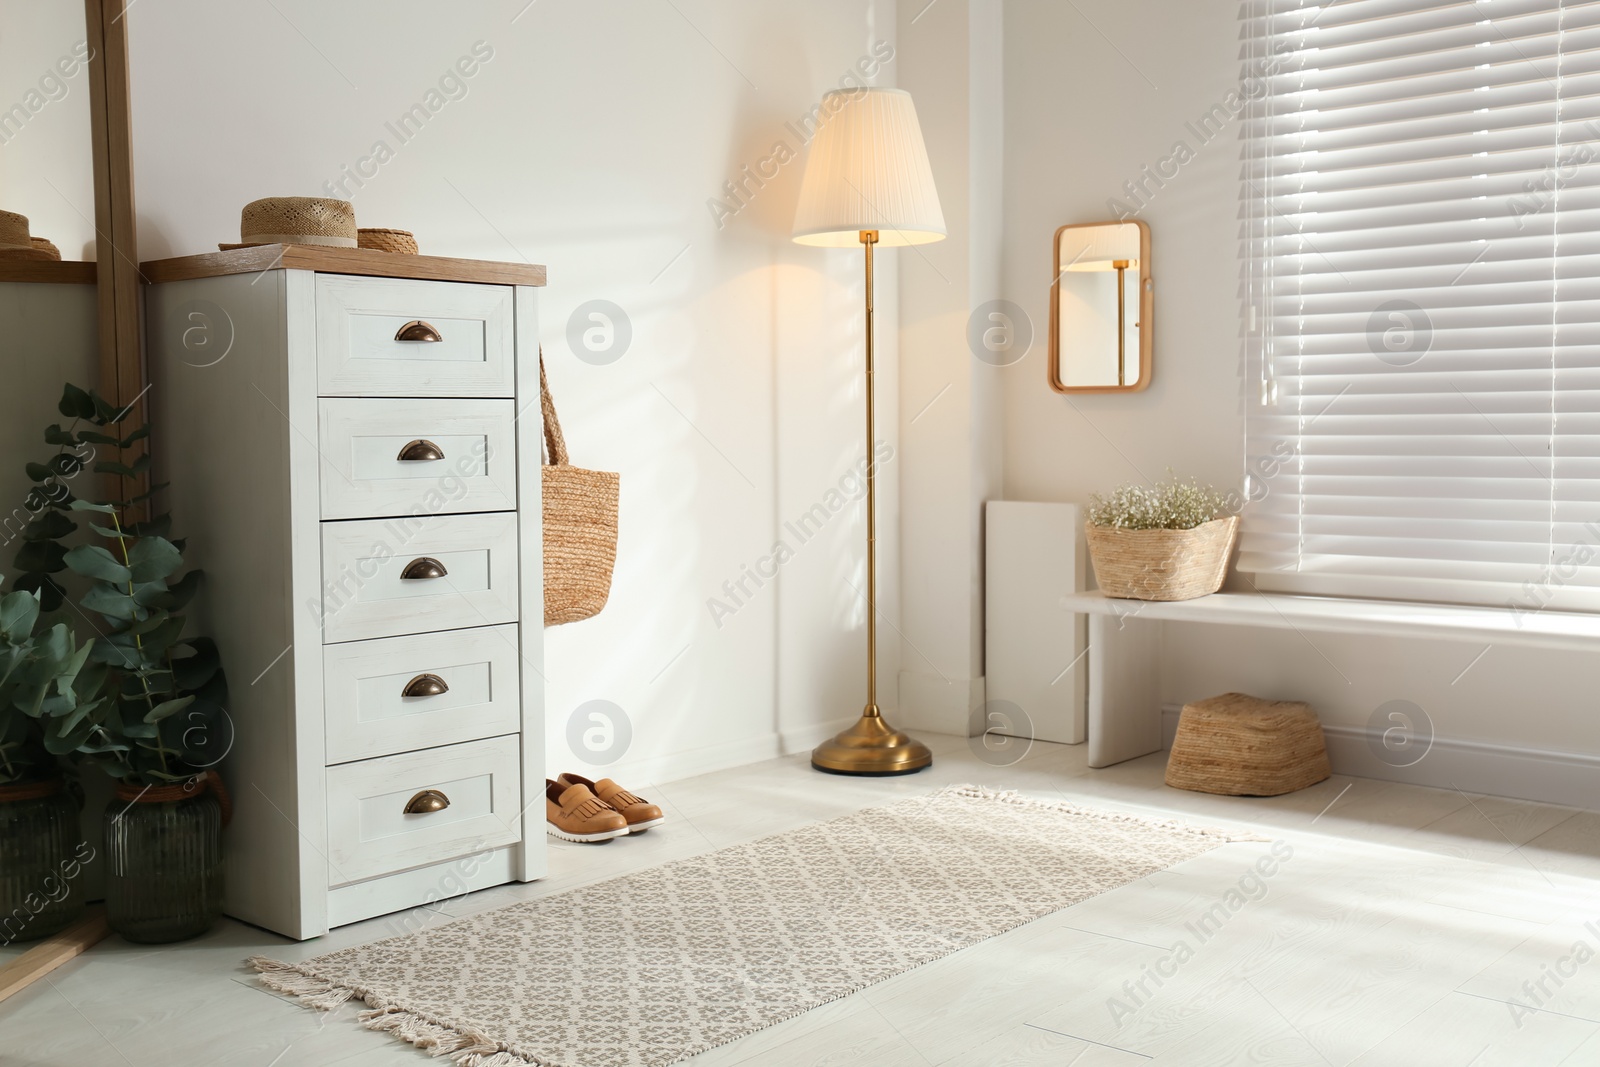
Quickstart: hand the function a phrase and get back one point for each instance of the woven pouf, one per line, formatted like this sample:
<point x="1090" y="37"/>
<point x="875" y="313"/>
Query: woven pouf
<point x="1242" y="746"/>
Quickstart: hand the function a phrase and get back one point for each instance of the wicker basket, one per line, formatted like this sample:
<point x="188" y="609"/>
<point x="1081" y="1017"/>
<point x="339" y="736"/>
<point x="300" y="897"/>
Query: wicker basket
<point x="1162" y="564"/>
<point x="1241" y="746"/>
<point x="580" y="526"/>
<point x="402" y="242"/>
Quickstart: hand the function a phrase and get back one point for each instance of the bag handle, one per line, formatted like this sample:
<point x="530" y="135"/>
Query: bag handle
<point x="554" y="441"/>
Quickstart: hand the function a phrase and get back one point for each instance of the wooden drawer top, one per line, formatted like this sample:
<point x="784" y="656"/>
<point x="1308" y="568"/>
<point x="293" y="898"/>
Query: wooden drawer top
<point x="341" y="261"/>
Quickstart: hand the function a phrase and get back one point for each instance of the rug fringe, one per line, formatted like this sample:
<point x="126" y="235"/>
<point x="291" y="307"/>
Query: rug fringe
<point x="464" y="1047"/>
<point x="1012" y="796"/>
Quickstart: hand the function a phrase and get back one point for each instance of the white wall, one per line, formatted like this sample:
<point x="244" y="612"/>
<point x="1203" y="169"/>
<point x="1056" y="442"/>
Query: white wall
<point x="1096" y="92"/>
<point x="592" y="141"/>
<point x="951" y="63"/>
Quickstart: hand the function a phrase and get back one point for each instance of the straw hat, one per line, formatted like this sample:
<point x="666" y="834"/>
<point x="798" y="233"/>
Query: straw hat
<point x="381" y="240"/>
<point x="296" y="220"/>
<point x="14" y="240"/>
<point x="47" y="247"/>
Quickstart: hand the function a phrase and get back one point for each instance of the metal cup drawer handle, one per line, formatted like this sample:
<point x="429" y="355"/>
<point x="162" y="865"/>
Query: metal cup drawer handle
<point x="425" y="685"/>
<point x="421" y="450"/>
<point x="417" y="330"/>
<point x="429" y="800"/>
<point x="423" y="568"/>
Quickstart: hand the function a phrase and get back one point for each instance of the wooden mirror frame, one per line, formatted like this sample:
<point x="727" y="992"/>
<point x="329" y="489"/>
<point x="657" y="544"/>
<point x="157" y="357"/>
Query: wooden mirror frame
<point x="1147" y="309"/>
<point x="122" y="371"/>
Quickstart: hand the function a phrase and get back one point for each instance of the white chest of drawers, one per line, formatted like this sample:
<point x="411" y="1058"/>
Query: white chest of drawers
<point x="365" y="502"/>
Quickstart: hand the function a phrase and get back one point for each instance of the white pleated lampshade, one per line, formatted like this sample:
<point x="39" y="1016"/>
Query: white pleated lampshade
<point x="868" y="170"/>
<point x="1100" y="247"/>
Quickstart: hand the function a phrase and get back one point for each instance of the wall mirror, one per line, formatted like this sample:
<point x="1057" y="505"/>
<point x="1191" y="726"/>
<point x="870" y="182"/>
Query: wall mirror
<point x="1102" y="303"/>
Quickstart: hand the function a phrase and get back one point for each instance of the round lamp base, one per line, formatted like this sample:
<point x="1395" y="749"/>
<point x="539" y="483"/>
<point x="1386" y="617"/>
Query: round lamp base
<point x="871" y="748"/>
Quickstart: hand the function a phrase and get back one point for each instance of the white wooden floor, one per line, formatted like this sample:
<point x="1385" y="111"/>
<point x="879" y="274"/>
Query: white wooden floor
<point x="1399" y="931"/>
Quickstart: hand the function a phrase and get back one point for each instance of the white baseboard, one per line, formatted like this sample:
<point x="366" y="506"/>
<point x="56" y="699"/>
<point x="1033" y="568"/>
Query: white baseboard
<point x="1548" y="777"/>
<point x="940" y="705"/>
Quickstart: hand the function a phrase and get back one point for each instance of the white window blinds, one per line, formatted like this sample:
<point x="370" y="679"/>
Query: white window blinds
<point x="1421" y="244"/>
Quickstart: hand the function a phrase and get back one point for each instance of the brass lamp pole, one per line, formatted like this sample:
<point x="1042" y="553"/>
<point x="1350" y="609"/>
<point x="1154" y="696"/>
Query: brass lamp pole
<point x="871" y="746"/>
<point x="868" y="181"/>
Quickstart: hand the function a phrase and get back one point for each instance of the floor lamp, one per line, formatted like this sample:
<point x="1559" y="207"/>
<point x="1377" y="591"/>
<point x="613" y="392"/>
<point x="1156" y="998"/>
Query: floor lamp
<point x="868" y="182"/>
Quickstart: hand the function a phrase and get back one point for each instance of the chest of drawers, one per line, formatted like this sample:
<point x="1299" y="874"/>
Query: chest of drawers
<point x="341" y="432"/>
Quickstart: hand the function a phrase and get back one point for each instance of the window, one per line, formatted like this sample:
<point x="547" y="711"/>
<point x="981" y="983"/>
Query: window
<point x="1421" y="253"/>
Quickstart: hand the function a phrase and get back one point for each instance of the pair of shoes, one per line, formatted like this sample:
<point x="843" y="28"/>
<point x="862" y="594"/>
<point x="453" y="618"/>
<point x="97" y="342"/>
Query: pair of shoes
<point x="576" y="809"/>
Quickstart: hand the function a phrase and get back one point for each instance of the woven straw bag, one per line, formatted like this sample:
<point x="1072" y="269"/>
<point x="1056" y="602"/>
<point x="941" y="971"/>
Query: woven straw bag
<point x="580" y="526"/>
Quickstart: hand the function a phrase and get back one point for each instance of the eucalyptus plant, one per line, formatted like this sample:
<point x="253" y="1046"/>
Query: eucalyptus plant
<point x="37" y="676"/>
<point x="152" y="701"/>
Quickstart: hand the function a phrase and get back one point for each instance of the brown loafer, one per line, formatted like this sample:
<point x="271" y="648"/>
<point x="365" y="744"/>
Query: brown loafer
<point x="641" y="815"/>
<point x="573" y="813"/>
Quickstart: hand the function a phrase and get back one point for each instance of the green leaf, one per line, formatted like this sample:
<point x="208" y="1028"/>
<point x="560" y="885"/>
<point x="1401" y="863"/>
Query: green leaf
<point x="70" y="722"/>
<point x="38" y="471"/>
<point x="75" y="740"/>
<point x="50" y="526"/>
<point x="193" y="671"/>
<point x="75" y="403"/>
<point x="18" y="612"/>
<point x="41" y="497"/>
<point x="110" y="601"/>
<point x="55" y="435"/>
<point x="51" y="594"/>
<point x="46" y="556"/>
<point x="115" y="651"/>
<point x="86" y="505"/>
<point x="65" y="464"/>
<point x="155" y="643"/>
<point x="179" y="593"/>
<point x="167" y="707"/>
<point x="92" y="561"/>
<point x="158" y="526"/>
<point x="154" y="620"/>
<point x="138" y="435"/>
<point x="105" y="411"/>
<point x="107" y="466"/>
<point x="96" y="438"/>
<point x="153" y="558"/>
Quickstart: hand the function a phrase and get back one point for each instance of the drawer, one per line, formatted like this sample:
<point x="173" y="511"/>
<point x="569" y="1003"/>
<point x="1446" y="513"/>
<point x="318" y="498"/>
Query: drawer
<point x="416" y="457"/>
<point x="369" y="713"/>
<point x="360" y="351"/>
<point x="365" y="591"/>
<point x="371" y="834"/>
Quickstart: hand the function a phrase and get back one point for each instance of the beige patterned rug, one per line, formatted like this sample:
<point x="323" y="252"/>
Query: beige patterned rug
<point x="657" y="966"/>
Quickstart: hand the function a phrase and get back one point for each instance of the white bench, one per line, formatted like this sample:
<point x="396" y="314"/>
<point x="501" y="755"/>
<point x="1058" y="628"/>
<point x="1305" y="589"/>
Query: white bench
<point x="1124" y="643"/>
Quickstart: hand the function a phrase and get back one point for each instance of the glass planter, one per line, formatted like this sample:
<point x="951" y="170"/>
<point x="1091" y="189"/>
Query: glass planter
<point x="41" y="855"/>
<point x="163" y="865"/>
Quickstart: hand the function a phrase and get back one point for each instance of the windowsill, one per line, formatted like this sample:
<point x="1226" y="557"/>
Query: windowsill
<point x="1380" y="618"/>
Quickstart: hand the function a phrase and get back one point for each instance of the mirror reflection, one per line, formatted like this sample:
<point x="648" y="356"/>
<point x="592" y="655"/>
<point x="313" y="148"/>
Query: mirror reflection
<point x="49" y="307"/>
<point x="1100" y="308"/>
<point x="46" y="147"/>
